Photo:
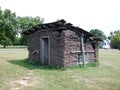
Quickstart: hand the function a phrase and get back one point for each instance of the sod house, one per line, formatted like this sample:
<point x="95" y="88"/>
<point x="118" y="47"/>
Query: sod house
<point x="61" y="44"/>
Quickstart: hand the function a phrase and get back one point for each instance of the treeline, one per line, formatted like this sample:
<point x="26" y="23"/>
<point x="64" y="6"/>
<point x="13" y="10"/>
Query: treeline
<point x="11" y="27"/>
<point x="114" y="37"/>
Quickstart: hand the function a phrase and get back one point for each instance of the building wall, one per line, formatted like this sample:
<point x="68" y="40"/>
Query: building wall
<point x="92" y="51"/>
<point x="56" y="47"/>
<point x="61" y="46"/>
<point x="33" y="47"/>
<point x="72" y="43"/>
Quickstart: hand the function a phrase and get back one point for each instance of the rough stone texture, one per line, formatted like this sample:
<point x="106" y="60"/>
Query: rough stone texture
<point x="56" y="47"/>
<point x="61" y="45"/>
<point x="72" y="43"/>
<point x="33" y="47"/>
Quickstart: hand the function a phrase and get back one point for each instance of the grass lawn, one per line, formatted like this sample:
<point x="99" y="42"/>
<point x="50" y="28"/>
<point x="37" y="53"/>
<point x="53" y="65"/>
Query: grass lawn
<point x="17" y="74"/>
<point x="13" y="47"/>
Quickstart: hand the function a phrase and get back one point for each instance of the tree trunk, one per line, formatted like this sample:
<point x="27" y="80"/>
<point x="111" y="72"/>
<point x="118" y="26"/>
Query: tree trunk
<point x="4" y="46"/>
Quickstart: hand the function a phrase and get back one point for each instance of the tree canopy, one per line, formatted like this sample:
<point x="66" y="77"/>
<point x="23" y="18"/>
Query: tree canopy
<point x="7" y="27"/>
<point x="98" y="33"/>
<point x="11" y="26"/>
<point x="24" y="23"/>
<point x="115" y="39"/>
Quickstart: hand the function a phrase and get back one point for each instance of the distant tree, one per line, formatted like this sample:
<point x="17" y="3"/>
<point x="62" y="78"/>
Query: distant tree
<point x="17" y="41"/>
<point x="111" y="33"/>
<point x="11" y="26"/>
<point x="7" y="27"/>
<point x="24" y="23"/>
<point x="98" y="33"/>
<point x="115" y="40"/>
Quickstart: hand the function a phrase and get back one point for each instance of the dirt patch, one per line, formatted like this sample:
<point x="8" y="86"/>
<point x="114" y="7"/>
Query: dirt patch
<point x="24" y="81"/>
<point x="17" y="88"/>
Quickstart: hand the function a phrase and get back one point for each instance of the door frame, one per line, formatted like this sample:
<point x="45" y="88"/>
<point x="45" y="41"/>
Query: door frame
<point x="42" y="60"/>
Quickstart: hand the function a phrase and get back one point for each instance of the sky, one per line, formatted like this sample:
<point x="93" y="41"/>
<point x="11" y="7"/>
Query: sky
<point x="87" y="14"/>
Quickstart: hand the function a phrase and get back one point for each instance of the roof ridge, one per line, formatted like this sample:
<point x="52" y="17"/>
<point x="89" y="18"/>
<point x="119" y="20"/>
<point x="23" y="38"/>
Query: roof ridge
<point x="58" y="25"/>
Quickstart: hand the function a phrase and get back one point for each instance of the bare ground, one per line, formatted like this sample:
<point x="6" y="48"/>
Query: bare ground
<point x="24" y="81"/>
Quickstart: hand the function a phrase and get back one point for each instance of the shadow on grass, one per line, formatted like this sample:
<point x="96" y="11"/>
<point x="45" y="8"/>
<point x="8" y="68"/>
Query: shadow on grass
<point x="25" y="63"/>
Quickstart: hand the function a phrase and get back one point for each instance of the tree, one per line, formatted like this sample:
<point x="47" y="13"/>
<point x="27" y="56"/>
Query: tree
<point x="98" y="33"/>
<point x="7" y="27"/>
<point x="115" y="40"/>
<point x="11" y="26"/>
<point x="24" y="23"/>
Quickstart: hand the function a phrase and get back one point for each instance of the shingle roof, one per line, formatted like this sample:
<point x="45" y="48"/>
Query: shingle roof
<point x="60" y="25"/>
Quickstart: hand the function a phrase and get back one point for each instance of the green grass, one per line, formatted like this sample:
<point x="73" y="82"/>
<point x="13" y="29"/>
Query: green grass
<point x="105" y="76"/>
<point x="13" y="47"/>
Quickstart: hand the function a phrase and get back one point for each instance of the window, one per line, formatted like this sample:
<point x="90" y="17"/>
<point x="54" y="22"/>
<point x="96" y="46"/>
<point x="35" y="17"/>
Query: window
<point x="80" y="58"/>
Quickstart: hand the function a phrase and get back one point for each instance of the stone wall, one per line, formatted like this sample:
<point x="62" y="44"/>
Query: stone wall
<point x="56" y="47"/>
<point x="72" y="43"/>
<point x="89" y="49"/>
<point x="33" y="47"/>
<point x="61" y="46"/>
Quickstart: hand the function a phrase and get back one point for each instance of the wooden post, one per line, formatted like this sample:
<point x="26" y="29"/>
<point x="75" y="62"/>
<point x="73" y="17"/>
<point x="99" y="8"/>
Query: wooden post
<point x="82" y="47"/>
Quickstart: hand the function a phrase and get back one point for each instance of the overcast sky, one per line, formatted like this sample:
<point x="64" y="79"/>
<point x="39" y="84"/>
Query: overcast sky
<point x="87" y="14"/>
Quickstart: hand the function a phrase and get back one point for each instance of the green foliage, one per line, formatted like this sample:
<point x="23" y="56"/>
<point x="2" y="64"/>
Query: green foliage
<point x="7" y="27"/>
<point x="37" y="64"/>
<point x="115" y="40"/>
<point x="98" y="33"/>
<point x="11" y="27"/>
<point x="91" y="64"/>
<point x="17" y="41"/>
<point x="6" y="41"/>
<point x="24" y="23"/>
